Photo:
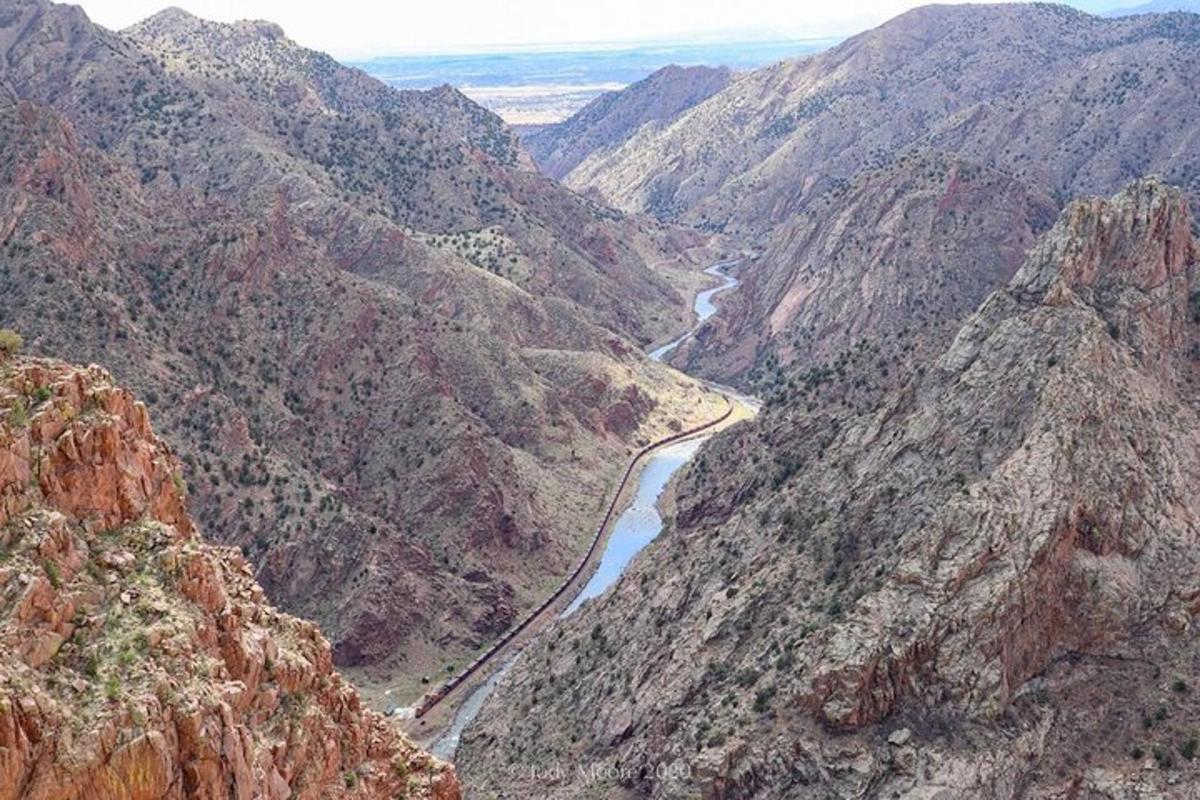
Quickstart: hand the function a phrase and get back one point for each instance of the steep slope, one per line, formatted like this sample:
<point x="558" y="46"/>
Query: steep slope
<point x="1038" y="100"/>
<point x="1064" y="101"/>
<point x="138" y="661"/>
<point x="860" y="284"/>
<point x="239" y="112"/>
<point x="986" y="588"/>
<point x="408" y="445"/>
<point x="612" y="118"/>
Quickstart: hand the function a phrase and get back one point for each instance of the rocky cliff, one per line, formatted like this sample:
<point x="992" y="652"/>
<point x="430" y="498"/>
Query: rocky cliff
<point x="984" y="588"/>
<point x="871" y="278"/>
<point x="139" y="661"/>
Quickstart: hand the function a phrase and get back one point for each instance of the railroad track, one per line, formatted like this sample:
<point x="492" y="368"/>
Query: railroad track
<point x="436" y="697"/>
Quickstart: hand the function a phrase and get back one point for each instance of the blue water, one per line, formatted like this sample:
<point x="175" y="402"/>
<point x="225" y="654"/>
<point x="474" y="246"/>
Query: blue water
<point x="705" y="307"/>
<point x="639" y="523"/>
<point x="446" y="745"/>
<point x="635" y="528"/>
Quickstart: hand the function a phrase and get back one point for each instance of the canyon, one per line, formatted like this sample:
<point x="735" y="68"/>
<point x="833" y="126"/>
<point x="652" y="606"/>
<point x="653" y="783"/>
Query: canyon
<point x="402" y="368"/>
<point x="923" y="309"/>
<point x="866" y="175"/>
<point x="984" y="587"/>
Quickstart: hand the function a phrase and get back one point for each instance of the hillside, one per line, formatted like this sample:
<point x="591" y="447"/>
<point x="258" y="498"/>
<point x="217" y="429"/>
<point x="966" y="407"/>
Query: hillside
<point x="612" y="118"/>
<point x="985" y="588"/>
<point x="871" y="277"/>
<point x="1050" y="101"/>
<point x="1059" y="99"/>
<point x="406" y="428"/>
<point x="138" y="661"/>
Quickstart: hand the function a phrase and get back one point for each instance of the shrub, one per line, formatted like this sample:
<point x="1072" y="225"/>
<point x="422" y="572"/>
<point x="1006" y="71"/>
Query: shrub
<point x="10" y="342"/>
<point x="18" y="416"/>
<point x="762" y="699"/>
<point x="53" y="574"/>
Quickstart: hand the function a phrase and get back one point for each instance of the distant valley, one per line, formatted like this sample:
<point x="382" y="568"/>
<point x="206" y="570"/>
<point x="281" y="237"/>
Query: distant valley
<point x="541" y="86"/>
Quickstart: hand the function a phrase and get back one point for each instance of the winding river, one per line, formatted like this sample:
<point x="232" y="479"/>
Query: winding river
<point x="635" y="528"/>
<point x="704" y="305"/>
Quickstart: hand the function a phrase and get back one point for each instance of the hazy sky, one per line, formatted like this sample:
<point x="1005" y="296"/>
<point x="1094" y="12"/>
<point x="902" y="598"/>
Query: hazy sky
<point x="349" y="28"/>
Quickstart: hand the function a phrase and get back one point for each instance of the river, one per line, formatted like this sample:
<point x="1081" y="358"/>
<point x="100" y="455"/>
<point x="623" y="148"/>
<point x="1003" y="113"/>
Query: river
<point x="704" y="305"/>
<point x="635" y="528"/>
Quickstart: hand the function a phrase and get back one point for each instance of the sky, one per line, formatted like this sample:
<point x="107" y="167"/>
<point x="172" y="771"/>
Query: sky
<point x="360" y="28"/>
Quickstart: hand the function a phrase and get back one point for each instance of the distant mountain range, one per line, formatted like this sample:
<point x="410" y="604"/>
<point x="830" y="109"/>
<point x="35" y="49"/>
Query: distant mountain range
<point x="1119" y="8"/>
<point x="1157" y="7"/>
<point x="1048" y="101"/>
<point x="612" y="118"/>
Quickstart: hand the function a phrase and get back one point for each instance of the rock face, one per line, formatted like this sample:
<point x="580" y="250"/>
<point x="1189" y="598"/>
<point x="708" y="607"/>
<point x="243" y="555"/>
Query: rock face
<point x="614" y="117"/>
<point x="398" y="366"/>
<point x="138" y="661"/>
<point x="985" y="588"/>
<point x="830" y="165"/>
<point x="872" y="277"/>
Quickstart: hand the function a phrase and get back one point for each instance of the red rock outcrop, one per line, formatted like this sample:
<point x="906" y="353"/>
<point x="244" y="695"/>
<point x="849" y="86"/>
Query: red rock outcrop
<point x="138" y="662"/>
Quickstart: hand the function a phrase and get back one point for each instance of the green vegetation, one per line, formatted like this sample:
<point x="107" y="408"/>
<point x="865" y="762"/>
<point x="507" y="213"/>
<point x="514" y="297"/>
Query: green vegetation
<point x="18" y="415"/>
<point x="10" y="342"/>
<point x="1164" y="758"/>
<point x="1188" y="748"/>
<point x="762" y="699"/>
<point x="53" y="574"/>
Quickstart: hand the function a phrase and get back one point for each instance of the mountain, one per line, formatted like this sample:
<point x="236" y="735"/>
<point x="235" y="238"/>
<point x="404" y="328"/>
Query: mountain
<point x="612" y="118"/>
<point x="875" y="274"/>
<point x="137" y="660"/>
<point x="1039" y="102"/>
<point x="985" y="588"/>
<point x="1064" y="101"/>
<point x="399" y="366"/>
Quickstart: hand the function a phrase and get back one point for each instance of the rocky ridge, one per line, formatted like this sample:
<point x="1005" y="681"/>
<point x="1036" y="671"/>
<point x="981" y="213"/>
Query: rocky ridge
<point x="138" y="661"/>
<point x="999" y="583"/>
<point x="870" y="279"/>
<point x="1055" y="97"/>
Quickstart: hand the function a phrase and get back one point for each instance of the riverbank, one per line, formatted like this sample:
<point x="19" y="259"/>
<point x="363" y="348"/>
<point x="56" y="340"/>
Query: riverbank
<point x="422" y="720"/>
<point x="439" y="720"/>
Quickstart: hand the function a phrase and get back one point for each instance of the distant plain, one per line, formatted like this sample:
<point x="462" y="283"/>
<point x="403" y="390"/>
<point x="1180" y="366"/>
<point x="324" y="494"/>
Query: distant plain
<point x="542" y="86"/>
